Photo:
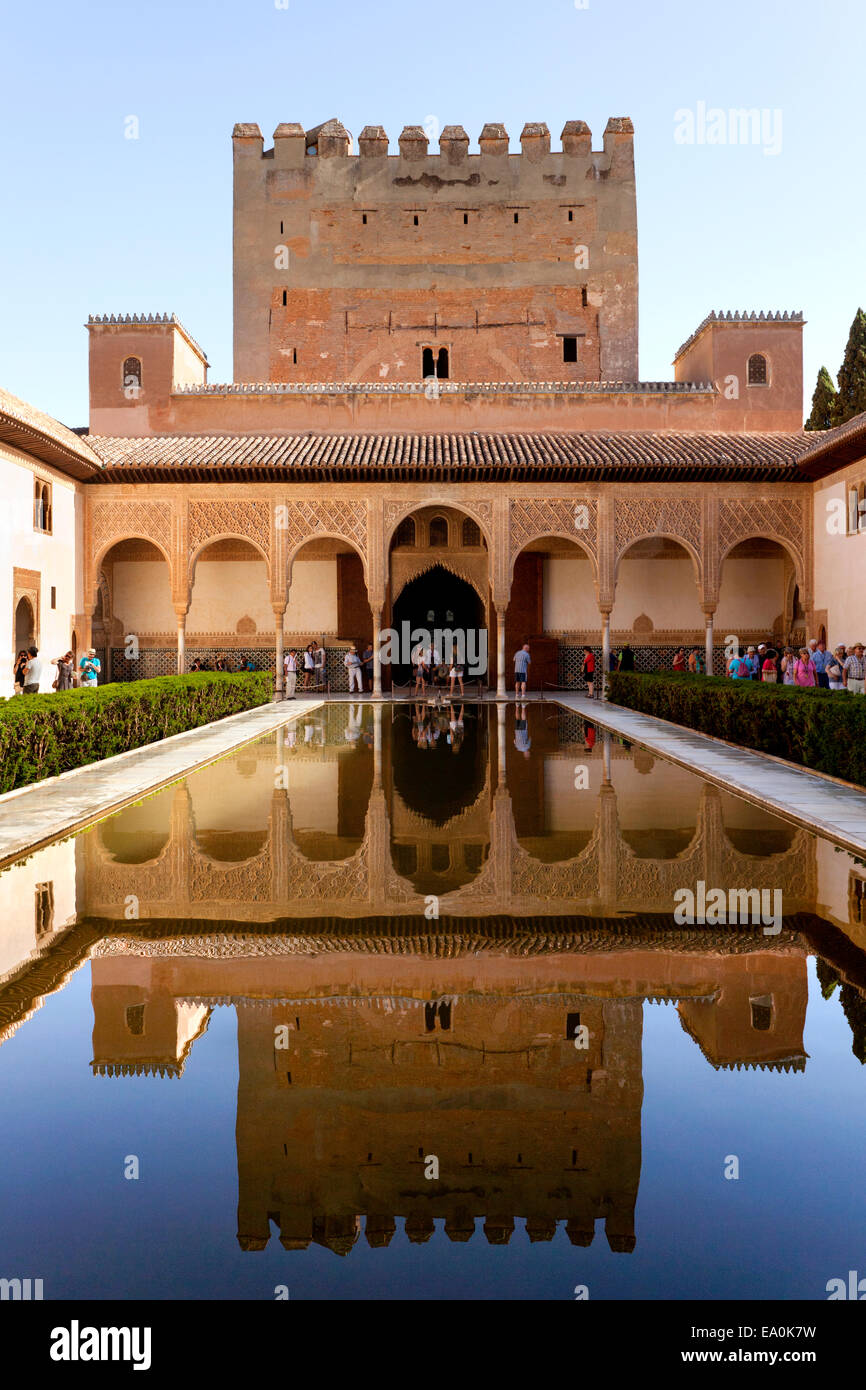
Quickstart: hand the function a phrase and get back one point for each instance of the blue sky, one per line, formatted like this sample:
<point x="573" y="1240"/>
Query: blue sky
<point x="94" y="222"/>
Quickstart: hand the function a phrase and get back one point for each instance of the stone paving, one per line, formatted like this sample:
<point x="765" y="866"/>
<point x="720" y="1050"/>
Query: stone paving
<point x="821" y="804"/>
<point x="30" y="816"/>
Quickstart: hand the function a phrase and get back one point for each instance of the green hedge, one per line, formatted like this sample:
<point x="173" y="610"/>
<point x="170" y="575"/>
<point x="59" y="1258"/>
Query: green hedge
<point x="821" y="729"/>
<point x="42" y="735"/>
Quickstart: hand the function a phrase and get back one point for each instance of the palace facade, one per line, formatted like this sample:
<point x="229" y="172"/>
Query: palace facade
<point x="437" y="410"/>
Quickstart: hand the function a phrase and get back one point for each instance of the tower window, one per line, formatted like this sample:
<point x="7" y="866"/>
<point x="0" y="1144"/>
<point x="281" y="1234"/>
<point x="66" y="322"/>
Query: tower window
<point x="762" y="1013"/>
<point x="516" y="218"/>
<point x="285" y="298"/>
<point x="465" y="219"/>
<point x="53" y="596"/>
<point x="131" y="377"/>
<point x="757" y="375"/>
<point x="569" y="349"/>
<point x="363" y="219"/>
<point x="427" y="368"/>
<point x="415" y="219"/>
<point x="442" y="363"/>
<point x="281" y="229"/>
<point x="583" y="298"/>
<point x="135" y="1020"/>
<point x="571" y="214"/>
<point x="295" y="356"/>
<point x="572" y="1023"/>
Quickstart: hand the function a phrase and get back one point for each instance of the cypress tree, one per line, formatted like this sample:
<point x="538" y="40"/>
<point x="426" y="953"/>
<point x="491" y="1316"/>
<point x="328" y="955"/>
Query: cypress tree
<point x="851" y="399"/>
<point x="823" y="403"/>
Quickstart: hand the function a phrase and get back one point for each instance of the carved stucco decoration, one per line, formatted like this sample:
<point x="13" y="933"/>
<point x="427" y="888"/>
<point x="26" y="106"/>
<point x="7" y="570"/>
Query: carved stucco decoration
<point x="574" y="518"/>
<point x="482" y="511"/>
<point x="120" y="518"/>
<point x="337" y="517"/>
<point x="780" y="519"/>
<point x="230" y="517"/>
<point x="637" y="519"/>
<point x="406" y="566"/>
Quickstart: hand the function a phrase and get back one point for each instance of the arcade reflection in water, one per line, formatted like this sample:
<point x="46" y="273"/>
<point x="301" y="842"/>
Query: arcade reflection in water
<point x="438" y="926"/>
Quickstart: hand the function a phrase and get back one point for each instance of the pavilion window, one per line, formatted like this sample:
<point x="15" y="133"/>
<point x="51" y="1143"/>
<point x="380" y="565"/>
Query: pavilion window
<point x="135" y="1020"/>
<point x="757" y="372"/>
<point x="762" y="1013"/>
<point x="405" y="533"/>
<point x="471" y="532"/>
<point x="41" y="506"/>
<point x="438" y="531"/>
<point x="569" y="349"/>
<point x="44" y="908"/>
<point x="131" y="377"/>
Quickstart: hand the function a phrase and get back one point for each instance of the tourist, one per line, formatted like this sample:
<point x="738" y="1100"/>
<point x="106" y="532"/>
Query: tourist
<point x="352" y="663"/>
<point x="309" y="666"/>
<point x="522" y="659"/>
<point x="223" y="663"/>
<point x="420" y="678"/>
<point x="680" y="660"/>
<point x="18" y="671"/>
<point x="853" y="670"/>
<point x="455" y="674"/>
<point x="522" y="740"/>
<point x="751" y="661"/>
<point x="589" y="737"/>
<point x="319" y="664"/>
<point x="804" y="669"/>
<point x="626" y="658"/>
<point x="769" y="670"/>
<point x="700" y="662"/>
<point x="65" y="666"/>
<point x="90" y="667"/>
<point x="833" y="669"/>
<point x="589" y="671"/>
<point x="456" y="730"/>
<point x="290" y="669"/>
<point x="249" y="665"/>
<point x="367" y="662"/>
<point x="737" y="668"/>
<point x="32" y="672"/>
<point x="820" y="657"/>
<point x="761" y="655"/>
<point x="787" y="666"/>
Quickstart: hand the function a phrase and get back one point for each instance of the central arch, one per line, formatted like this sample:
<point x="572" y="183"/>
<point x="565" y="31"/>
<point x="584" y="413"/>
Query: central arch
<point x="435" y="600"/>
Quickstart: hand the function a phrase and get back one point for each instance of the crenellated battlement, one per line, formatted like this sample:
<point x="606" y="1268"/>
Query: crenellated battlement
<point x="294" y="145"/>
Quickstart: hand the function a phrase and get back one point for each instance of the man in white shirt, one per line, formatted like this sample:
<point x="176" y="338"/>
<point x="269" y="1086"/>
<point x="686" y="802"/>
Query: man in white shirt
<point x="32" y="672"/>
<point x="290" y="666"/>
<point x="352" y="663"/>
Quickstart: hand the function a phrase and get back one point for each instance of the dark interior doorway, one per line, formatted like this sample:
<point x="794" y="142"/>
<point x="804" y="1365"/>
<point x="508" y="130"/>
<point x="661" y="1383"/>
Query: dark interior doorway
<point x="437" y="599"/>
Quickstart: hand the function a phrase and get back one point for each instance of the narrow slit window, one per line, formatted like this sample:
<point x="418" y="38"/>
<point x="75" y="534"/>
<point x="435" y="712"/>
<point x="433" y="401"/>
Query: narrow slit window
<point x="583" y="298"/>
<point x="53" y="596"/>
<point x="295" y="356"/>
<point x="466" y="219"/>
<point x="415" y="219"/>
<point x="516" y="218"/>
<point x="364" y="219"/>
<point x="572" y="1023"/>
<point x="570" y="215"/>
<point x="285" y="298"/>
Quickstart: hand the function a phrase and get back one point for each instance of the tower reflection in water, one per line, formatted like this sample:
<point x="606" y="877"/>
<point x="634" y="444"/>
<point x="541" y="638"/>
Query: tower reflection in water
<point x="438" y="929"/>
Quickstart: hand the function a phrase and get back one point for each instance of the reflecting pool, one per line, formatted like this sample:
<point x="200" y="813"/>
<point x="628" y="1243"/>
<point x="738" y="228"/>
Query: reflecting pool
<point x="402" y="1001"/>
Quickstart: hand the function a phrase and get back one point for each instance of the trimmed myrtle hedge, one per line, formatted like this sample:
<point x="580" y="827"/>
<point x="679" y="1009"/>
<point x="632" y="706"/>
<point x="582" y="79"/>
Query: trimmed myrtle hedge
<point x="43" y="735"/>
<point x="821" y="729"/>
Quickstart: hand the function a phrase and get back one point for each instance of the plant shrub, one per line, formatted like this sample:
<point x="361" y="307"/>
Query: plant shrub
<point x="821" y="729"/>
<point x="43" y="735"/>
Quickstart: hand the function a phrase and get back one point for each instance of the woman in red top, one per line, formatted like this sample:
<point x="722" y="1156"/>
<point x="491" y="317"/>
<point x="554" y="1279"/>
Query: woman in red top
<point x="589" y="670"/>
<point x="680" y="660"/>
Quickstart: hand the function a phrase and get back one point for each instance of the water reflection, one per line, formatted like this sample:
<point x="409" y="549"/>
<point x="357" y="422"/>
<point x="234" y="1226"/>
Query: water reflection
<point x="501" y="1032"/>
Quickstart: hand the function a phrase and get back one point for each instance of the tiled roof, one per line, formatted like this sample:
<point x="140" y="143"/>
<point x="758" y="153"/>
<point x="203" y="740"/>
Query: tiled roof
<point x="40" y="435"/>
<point x="735" y="316"/>
<point x="467" y="457"/>
<point x="832" y="449"/>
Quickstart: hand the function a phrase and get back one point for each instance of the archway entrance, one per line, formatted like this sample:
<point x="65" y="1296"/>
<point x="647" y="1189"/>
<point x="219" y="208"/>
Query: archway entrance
<point x="439" y="601"/>
<point x="25" y="625"/>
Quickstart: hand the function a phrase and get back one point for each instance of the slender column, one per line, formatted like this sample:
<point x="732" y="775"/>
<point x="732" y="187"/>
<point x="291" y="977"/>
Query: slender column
<point x="500" y="746"/>
<point x="709" y="641"/>
<point x="377" y="654"/>
<point x="605" y="648"/>
<point x="501" y="692"/>
<point x="605" y="754"/>
<point x="181" y="640"/>
<point x="377" y="745"/>
<point x="279" y="615"/>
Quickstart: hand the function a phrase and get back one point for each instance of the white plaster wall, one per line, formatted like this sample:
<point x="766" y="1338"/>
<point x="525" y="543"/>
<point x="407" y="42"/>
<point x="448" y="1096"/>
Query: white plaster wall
<point x="224" y="591"/>
<point x="840" y="562"/>
<point x="54" y="864"/>
<point x="312" y="597"/>
<point x="142" y="596"/>
<point x="53" y="556"/>
<point x="665" y="590"/>
<point x="568" y="594"/>
<point x="834" y="869"/>
<point x="751" y="594"/>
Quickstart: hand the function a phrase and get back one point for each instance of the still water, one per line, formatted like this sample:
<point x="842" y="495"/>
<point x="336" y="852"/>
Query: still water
<point x="394" y="1004"/>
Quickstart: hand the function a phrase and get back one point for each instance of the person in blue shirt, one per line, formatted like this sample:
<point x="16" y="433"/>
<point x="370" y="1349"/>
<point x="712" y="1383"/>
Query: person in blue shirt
<point x="521" y="667"/>
<point x="738" y="670"/>
<point x="820" y="660"/>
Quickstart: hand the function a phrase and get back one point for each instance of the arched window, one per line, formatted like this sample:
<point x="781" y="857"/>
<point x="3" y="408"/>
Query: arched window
<point x="757" y="375"/>
<point x="427" y="367"/>
<point x="41" y="505"/>
<point x="132" y="377"/>
<point x="471" y="532"/>
<point x="442" y="364"/>
<point x="438" y="531"/>
<point x="405" y="533"/>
